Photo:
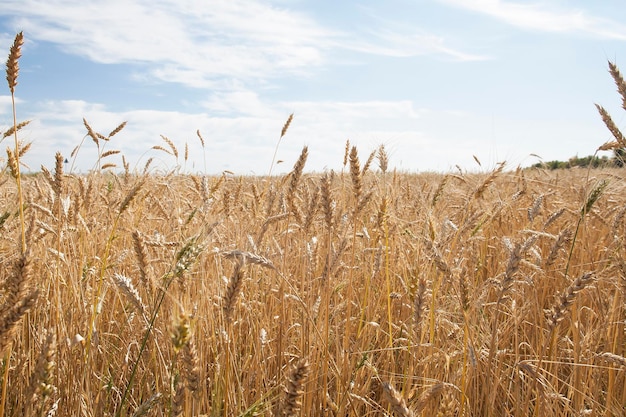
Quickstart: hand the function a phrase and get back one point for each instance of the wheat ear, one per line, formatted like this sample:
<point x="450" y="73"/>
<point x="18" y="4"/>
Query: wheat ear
<point x="130" y="292"/>
<point x="171" y="145"/>
<point x="610" y="124"/>
<point x="562" y="239"/>
<point x="283" y="132"/>
<point x="368" y="163"/>
<point x="295" y="175"/>
<point x="346" y="152"/>
<point x="232" y="291"/>
<point x="117" y="130"/>
<point x="395" y="400"/>
<point x="248" y="257"/>
<point x="147" y="405"/>
<point x="16" y="285"/>
<point x="567" y="298"/>
<point x="619" y="82"/>
<point x="488" y="181"/>
<point x="13" y="66"/>
<point x="613" y="358"/>
<point x="57" y="184"/>
<point x="191" y="367"/>
<point x="432" y="392"/>
<point x="130" y="196"/>
<point x="141" y="254"/>
<point x="419" y="304"/>
<point x="41" y="381"/>
<point x="383" y="158"/>
<point x="10" y="131"/>
<point x="327" y="200"/>
<point x="10" y="319"/>
<point x="355" y="173"/>
<point x="293" y="389"/>
<point x="13" y="163"/>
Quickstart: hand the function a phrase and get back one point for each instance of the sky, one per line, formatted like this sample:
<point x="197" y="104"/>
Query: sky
<point x="441" y="84"/>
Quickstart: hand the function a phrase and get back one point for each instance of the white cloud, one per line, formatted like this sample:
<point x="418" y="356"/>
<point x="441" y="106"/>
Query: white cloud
<point x="243" y="143"/>
<point x="188" y="41"/>
<point x="537" y="17"/>
<point x="417" y="138"/>
<point x="193" y="43"/>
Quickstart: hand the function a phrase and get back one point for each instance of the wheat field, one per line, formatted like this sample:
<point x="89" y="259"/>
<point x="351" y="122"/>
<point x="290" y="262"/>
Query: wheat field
<point x="360" y="292"/>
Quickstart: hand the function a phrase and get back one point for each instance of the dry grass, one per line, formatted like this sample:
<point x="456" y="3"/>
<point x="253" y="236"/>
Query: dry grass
<point x="492" y="294"/>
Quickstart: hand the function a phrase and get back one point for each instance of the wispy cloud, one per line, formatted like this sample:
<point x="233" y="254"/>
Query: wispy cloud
<point x="186" y="40"/>
<point x="189" y="43"/>
<point x="410" y="43"/>
<point x="539" y="17"/>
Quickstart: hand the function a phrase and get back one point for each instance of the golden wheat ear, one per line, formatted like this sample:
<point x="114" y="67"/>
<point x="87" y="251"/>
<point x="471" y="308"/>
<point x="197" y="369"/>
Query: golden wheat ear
<point x="13" y="67"/>
<point x="293" y="389"/>
<point x="567" y="298"/>
<point x="283" y="132"/>
<point x="619" y="82"/>
<point x="395" y="400"/>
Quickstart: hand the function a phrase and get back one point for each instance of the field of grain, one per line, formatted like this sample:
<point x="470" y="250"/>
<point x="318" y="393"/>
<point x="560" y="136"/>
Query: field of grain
<point x="364" y="291"/>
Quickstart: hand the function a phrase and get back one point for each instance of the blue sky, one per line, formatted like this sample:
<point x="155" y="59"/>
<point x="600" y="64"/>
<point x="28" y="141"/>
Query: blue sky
<point x="437" y="82"/>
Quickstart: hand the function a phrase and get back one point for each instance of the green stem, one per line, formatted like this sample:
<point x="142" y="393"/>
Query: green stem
<point x="144" y="343"/>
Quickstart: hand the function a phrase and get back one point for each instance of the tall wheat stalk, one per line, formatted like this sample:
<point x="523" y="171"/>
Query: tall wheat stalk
<point x="283" y="132"/>
<point x="12" y="71"/>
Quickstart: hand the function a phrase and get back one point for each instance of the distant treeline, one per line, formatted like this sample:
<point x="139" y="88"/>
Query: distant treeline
<point x="617" y="161"/>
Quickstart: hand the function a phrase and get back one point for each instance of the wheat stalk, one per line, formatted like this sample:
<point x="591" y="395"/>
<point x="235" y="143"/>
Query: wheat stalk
<point x="283" y="132"/>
